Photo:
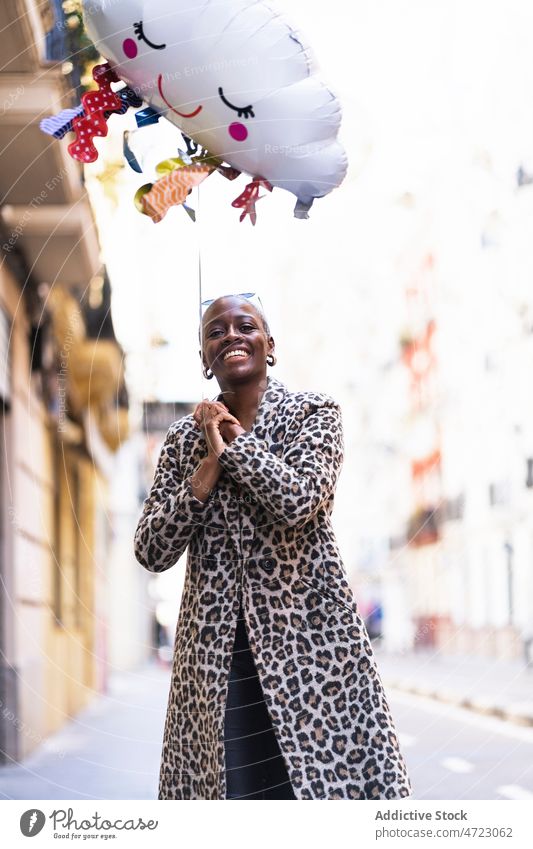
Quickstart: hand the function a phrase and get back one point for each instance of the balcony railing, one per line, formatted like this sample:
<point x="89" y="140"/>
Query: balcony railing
<point x="67" y="44"/>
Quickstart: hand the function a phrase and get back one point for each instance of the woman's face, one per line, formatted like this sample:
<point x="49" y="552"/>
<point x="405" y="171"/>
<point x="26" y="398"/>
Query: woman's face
<point x="235" y="342"/>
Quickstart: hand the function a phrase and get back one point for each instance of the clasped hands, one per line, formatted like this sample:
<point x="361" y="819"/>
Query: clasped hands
<point x="218" y="425"/>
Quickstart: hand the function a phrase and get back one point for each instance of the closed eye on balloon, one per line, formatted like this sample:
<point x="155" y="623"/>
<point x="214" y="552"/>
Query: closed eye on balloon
<point x="242" y="111"/>
<point x="139" y="32"/>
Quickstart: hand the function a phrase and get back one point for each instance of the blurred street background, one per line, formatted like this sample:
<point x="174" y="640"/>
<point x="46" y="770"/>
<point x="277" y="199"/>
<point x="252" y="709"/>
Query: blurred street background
<point x="407" y="295"/>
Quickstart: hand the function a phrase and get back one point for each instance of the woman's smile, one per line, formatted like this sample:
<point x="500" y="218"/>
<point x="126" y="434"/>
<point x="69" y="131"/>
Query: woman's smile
<point x="236" y="354"/>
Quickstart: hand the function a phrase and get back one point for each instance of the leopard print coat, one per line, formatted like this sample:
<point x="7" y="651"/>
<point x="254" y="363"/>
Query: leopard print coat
<point x="265" y="532"/>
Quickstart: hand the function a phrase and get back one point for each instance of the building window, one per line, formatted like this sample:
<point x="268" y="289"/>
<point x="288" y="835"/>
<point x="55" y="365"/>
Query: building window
<point x="453" y="508"/>
<point x="57" y="599"/>
<point x="529" y="478"/>
<point x="499" y="493"/>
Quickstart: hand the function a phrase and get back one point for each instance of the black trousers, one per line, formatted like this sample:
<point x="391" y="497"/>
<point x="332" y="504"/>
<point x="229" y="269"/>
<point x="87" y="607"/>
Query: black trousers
<point x="255" y="768"/>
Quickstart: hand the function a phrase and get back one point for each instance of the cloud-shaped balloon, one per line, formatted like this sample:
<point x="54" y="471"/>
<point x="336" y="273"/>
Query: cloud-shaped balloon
<point x="236" y="78"/>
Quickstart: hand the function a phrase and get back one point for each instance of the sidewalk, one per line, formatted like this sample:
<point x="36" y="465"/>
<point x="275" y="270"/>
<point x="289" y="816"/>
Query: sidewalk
<point x="502" y="688"/>
<point x="110" y="750"/>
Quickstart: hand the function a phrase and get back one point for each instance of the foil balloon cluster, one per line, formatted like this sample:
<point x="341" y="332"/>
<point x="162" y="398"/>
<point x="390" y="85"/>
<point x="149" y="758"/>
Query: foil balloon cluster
<point x="238" y="80"/>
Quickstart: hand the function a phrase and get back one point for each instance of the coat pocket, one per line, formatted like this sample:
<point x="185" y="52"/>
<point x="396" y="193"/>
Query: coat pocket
<point x="327" y="594"/>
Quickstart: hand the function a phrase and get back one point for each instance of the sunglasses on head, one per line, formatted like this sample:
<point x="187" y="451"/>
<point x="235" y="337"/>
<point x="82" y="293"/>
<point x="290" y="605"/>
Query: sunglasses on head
<point x="248" y="295"/>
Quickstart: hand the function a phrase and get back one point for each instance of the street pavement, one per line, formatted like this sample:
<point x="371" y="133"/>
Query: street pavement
<point x="501" y="688"/>
<point x="111" y="749"/>
<point x="465" y="723"/>
<point x="453" y="753"/>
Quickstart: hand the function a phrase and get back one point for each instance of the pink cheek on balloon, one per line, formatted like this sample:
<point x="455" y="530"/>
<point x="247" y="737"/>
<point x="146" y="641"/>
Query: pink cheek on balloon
<point x="238" y="132"/>
<point x="130" y="48"/>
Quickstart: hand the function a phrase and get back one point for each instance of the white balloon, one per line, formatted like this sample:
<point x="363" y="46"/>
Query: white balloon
<point x="234" y="76"/>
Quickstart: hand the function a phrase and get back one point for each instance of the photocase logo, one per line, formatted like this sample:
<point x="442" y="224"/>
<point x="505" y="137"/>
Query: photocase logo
<point x="32" y="822"/>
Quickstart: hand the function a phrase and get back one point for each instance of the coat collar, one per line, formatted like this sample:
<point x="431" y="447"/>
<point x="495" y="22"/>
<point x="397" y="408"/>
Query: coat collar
<point x="268" y="406"/>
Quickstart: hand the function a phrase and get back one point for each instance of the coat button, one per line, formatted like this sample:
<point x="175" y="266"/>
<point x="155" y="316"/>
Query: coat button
<point x="268" y="564"/>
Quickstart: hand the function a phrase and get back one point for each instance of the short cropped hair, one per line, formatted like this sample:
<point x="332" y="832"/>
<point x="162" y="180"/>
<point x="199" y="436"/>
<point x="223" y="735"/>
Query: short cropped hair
<point x="257" y="307"/>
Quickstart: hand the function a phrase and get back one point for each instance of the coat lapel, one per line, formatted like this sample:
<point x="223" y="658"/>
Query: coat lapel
<point x="268" y="406"/>
<point x="238" y="516"/>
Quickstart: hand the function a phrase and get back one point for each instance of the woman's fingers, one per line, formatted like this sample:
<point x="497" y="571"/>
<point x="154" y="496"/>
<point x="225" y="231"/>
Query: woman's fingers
<point x="212" y="430"/>
<point x="205" y="410"/>
<point x="224" y="416"/>
<point x="209" y="416"/>
<point x="212" y="433"/>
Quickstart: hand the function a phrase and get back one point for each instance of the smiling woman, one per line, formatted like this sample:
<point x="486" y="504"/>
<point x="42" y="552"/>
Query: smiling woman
<point x="275" y="693"/>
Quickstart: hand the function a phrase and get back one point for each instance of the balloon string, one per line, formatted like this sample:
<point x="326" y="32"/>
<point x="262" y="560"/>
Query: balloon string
<point x="199" y="232"/>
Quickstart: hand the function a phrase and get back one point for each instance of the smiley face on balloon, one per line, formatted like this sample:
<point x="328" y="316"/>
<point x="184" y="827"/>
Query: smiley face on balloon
<point x="236" y="78"/>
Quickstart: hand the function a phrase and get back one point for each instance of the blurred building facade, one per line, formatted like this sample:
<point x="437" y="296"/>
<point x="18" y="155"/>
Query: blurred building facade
<point x="459" y="571"/>
<point x="64" y="404"/>
<point x="425" y="337"/>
